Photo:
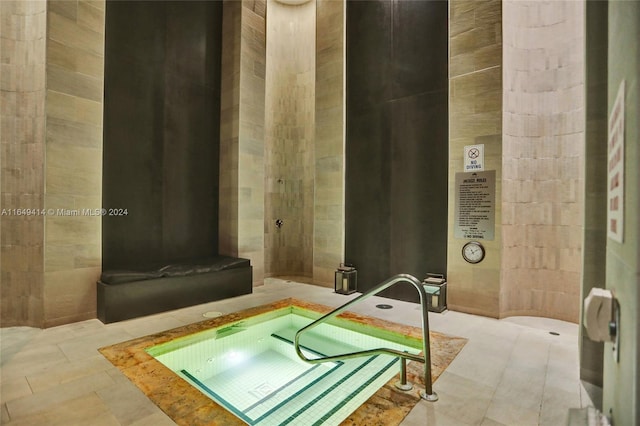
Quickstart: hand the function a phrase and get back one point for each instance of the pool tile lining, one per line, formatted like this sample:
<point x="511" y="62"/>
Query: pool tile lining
<point x="185" y="405"/>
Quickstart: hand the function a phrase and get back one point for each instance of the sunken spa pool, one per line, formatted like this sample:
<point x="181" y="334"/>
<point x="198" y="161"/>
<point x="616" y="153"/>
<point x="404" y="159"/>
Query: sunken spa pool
<point x="242" y="368"/>
<point x="250" y="366"/>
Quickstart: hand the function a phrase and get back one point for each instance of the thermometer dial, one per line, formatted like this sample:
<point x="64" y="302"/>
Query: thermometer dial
<point x="473" y="252"/>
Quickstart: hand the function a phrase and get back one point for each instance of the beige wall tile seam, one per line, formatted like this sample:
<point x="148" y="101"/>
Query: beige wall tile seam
<point x="453" y="77"/>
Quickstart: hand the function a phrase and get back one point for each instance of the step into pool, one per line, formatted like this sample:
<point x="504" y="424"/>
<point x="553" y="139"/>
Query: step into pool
<point x="251" y="369"/>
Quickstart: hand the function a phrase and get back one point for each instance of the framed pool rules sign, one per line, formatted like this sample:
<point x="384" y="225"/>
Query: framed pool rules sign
<point x="475" y="208"/>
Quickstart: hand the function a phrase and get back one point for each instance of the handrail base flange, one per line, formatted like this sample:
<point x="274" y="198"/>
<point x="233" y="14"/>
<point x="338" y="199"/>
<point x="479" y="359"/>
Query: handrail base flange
<point x="404" y="386"/>
<point x="432" y="397"/>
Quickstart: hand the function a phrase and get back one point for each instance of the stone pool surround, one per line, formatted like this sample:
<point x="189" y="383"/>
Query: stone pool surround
<point x="186" y="405"/>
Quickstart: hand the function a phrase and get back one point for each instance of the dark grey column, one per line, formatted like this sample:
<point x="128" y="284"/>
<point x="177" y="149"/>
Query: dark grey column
<point x="161" y="131"/>
<point x="397" y="140"/>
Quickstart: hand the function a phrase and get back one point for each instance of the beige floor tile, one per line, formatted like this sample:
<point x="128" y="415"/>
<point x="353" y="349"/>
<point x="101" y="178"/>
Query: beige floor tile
<point x="511" y="372"/>
<point x="87" y="345"/>
<point x="497" y="329"/>
<point x="82" y="328"/>
<point x="51" y="336"/>
<point x="119" y="378"/>
<point x="562" y="380"/>
<point x="188" y="316"/>
<point x="523" y="389"/>
<point x="4" y="415"/>
<point x="156" y="419"/>
<point x="490" y="422"/>
<point x="427" y="413"/>
<point x="82" y="411"/>
<point x="457" y="323"/>
<point x="590" y="395"/>
<point x="530" y="353"/>
<point x="506" y="412"/>
<point x="14" y="388"/>
<point x="485" y="368"/>
<point x="555" y="406"/>
<point x="563" y="367"/>
<point x="32" y="361"/>
<point x="149" y="325"/>
<point x="545" y="324"/>
<point x="67" y="372"/>
<point x="127" y="403"/>
<point x="58" y="395"/>
<point x="462" y="399"/>
<point x="13" y="340"/>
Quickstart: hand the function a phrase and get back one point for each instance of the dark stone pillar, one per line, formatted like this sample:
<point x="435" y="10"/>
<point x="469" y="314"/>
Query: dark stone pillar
<point x="397" y="140"/>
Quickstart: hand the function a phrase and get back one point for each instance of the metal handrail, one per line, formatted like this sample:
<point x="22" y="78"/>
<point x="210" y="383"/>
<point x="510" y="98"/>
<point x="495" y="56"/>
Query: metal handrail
<point x="428" y="393"/>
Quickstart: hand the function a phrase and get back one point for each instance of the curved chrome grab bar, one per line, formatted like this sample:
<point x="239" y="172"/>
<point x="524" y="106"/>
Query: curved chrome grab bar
<point x="428" y="393"/>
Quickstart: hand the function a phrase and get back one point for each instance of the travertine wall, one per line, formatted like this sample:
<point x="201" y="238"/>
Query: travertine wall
<point x="543" y="150"/>
<point x="475" y="117"/>
<point x="51" y="262"/>
<point x="241" y="214"/>
<point x="289" y="135"/>
<point x="73" y="175"/>
<point x="229" y="128"/>
<point x="328" y="225"/>
<point x="22" y="140"/>
<point x="534" y="138"/>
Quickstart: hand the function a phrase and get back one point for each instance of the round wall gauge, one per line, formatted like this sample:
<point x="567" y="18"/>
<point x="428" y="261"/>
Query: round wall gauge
<point x="473" y="252"/>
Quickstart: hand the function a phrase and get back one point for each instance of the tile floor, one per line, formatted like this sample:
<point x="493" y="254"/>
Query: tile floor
<point x="511" y="372"/>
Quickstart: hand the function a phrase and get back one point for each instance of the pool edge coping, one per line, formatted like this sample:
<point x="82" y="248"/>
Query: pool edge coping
<point x="186" y="405"/>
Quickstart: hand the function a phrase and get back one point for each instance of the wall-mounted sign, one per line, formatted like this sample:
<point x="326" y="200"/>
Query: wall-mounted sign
<point x="475" y="208"/>
<point x="615" y="167"/>
<point x="474" y="158"/>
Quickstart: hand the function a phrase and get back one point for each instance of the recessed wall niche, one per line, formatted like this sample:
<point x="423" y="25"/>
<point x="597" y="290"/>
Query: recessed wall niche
<point x="290" y="98"/>
<point x="161" y="131"/>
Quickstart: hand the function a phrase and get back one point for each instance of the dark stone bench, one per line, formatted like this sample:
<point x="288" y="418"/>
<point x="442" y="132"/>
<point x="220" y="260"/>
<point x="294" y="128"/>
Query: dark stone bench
<point x="127" y="294"/>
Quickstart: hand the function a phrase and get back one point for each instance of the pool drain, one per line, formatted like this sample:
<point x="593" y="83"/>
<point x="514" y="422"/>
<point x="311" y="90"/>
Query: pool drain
<point x="262" y="391"/>
<point x="384" y="306"/>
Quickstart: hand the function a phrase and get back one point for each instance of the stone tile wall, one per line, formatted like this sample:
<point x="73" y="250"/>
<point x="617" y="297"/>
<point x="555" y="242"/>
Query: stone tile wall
<point x="289" y="138"/>
<point x="241" y="214"/>
<point x="52" y="88"/>
<point x="22" y="141"/>
<point x="328" y="225"/>
<point x="543" y="149"/>
<point x="475" y="117"/>
<point x="50" y="264"/>
<point x="229" y="128"/>
<point x="73" y="172"/>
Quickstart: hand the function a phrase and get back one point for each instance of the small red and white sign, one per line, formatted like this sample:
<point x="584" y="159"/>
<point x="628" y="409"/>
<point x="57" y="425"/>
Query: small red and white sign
<point x="615" y="168"/>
